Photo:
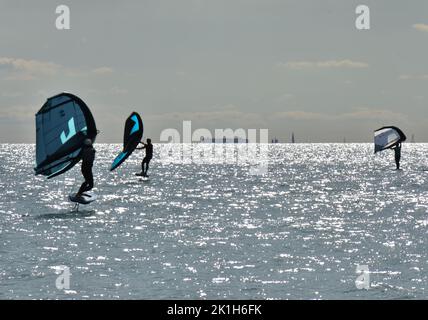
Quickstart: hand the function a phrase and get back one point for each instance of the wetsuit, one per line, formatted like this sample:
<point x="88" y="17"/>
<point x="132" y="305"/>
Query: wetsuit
<point x="88" y="157"/>
<point x="397" y="151"/>
<point x="147" y="158"/>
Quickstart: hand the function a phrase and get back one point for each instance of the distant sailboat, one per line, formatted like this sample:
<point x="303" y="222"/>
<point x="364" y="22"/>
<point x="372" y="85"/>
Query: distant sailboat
<point x="292" y="138"/>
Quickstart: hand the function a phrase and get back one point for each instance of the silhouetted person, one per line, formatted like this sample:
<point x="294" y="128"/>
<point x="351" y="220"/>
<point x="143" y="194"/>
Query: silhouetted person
<point x="88" y="157"/>
<point x="397" y="153"/>
<point x="149" y="155"/>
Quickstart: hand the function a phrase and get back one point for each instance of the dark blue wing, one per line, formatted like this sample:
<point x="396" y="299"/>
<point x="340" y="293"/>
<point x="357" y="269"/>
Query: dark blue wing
<point x="131" y="138"/>
<point x="62" y="124"/>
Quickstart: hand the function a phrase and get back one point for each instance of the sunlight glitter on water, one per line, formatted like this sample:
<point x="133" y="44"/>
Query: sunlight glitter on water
<point x="216" y="231"/>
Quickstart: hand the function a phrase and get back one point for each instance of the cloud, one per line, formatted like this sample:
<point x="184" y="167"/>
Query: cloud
<point x="421" y="27"/>
<point x="11" y="94"/>
<point x="17" y="112"/>
<point x="223" y="114"/>
<point x="226" y="107"/>
<point x="80" y="73"/>
<point x="328" y="64"/>
<point x="30" y="68"/>
<point x="113" y="91"/>
<point x="231" y="114"/>
<point x="286" y="97"/>
<point x="19" y="77"/>
<point x="413" y="77"/>
<point x="363" y="114"/>
<point x="102" y="71"/>
<point x="374" y="114"/>
<point x="24" y="70"/>
<point x="299" y="115"/>
<point x="119" y="91"/>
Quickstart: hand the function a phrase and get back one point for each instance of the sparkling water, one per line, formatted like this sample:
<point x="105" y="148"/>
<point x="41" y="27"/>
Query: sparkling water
<point x="211" y="230"/>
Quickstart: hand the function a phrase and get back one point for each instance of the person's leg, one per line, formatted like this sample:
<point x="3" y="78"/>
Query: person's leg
<point x="88" y="184"/>
<point x="144" y="166"/>
<point x="147" y="167"/>
<point x="82" y="189"/>
<point x="90" y="181"/>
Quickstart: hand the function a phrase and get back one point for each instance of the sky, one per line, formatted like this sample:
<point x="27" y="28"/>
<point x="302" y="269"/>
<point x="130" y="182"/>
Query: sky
<point x="284" y="65"/>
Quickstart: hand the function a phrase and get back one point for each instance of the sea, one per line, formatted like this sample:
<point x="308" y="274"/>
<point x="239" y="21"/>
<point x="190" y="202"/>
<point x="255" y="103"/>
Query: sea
<point x="317" y="221"/>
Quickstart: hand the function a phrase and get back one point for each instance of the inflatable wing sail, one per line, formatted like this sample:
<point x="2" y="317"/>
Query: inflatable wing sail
<point x="132" y="137"/>
<point x="388" y="137"/>
<point x="62" y="124"/>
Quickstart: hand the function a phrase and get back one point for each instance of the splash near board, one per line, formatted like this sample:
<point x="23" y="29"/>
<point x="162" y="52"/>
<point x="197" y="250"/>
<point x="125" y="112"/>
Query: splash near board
<point x="131" y="138"/>
<point x="85" y="198"/>
<point x="387" y="138"/>
<point x="62" y="124"/>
